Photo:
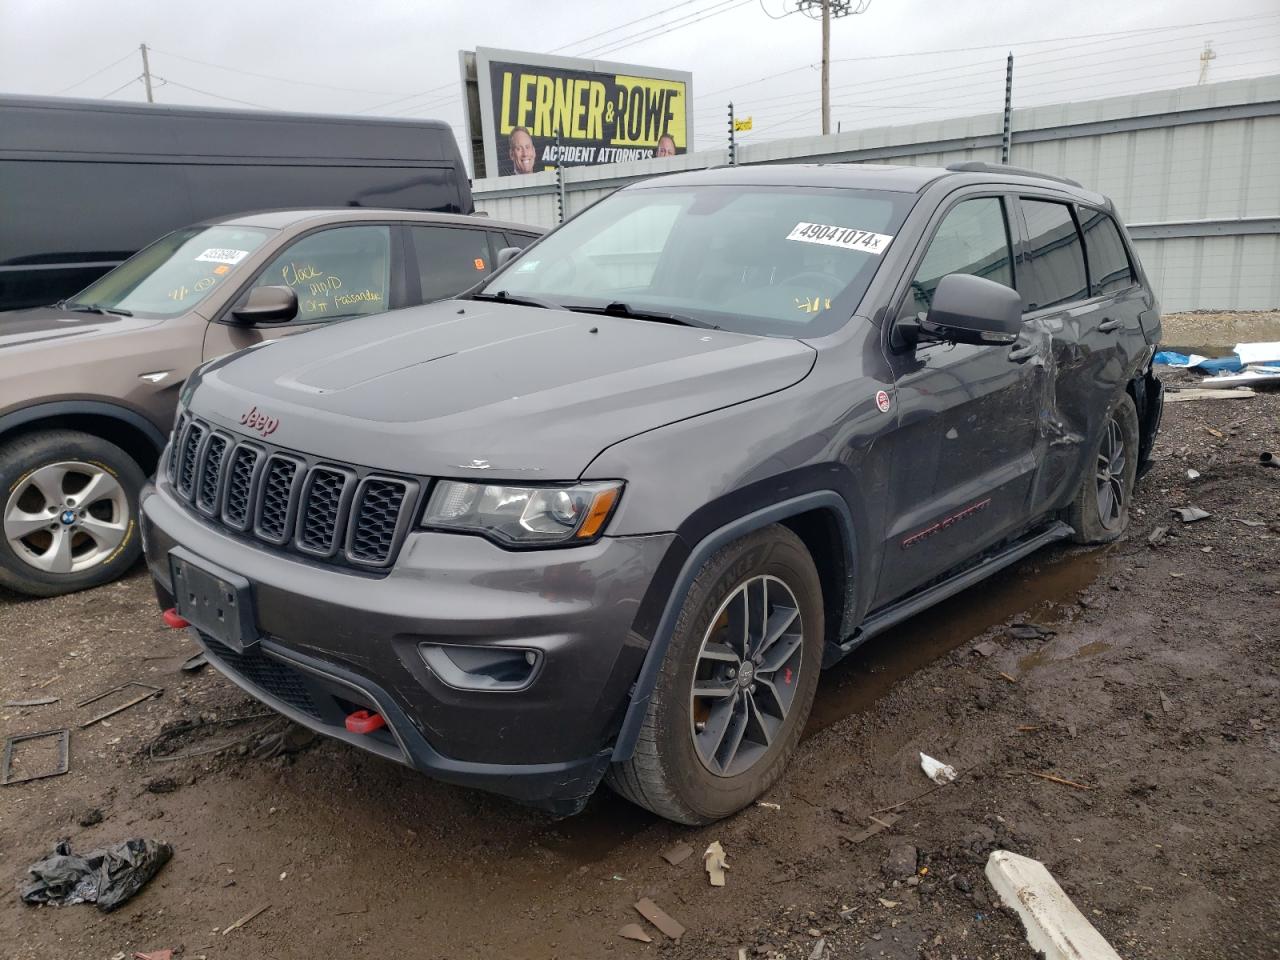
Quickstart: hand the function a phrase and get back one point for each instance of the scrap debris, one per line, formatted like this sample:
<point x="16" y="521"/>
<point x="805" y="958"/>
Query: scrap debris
<point x="877" y="824"/>
<point x="659" y="918"/>
<point x="1055" y="779"/>
<point x="1191" y="514"/>
<point x="633" y="931"/>
<point x="33" y="702"/>
<point x="936" y="770"/>
<point x="768" y="805"/>
<point x="151" y="692"/>
<point x="678" y="854"/>
<point x="61" y="766"/>
<point x="714" y="862"/>
<point x="1029" y="631"/>
<point x="106" y="877"/>
<point x="246" y="918"/>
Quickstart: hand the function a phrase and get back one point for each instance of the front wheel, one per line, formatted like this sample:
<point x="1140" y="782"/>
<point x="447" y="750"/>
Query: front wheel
<point x="1100" y="511"/>
<point x="70" y="512"/>
<point x="736" y="683"/>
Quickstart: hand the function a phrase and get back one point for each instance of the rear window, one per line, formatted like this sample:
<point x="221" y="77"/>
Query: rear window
<point x="1109" y="266"/>
<point x="1057" y="257"/>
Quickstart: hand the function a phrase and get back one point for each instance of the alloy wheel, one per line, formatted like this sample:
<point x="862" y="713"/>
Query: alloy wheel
<point x="1110" y="475"/>
<point x="746" y="675"/>
<point x="66" y="517"/>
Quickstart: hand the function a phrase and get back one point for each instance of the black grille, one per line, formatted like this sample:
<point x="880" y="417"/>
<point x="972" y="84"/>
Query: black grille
<point x="272" y="677"/>
<point x="342" y="514"/>
<point x="276" y="498"/>
<point x="377" y="515"/>
<point x="319" y="530"/>
<point x="187" y="459"/>
<point x="235" y="505"/>
<point x="211" y="474"/>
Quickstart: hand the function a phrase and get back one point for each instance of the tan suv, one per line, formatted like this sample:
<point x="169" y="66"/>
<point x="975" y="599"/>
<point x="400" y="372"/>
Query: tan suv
<point x="88" y="387"/>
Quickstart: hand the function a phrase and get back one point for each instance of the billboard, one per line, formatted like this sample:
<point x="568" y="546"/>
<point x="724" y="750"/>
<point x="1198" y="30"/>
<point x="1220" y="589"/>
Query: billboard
<point x="536" y="112"/>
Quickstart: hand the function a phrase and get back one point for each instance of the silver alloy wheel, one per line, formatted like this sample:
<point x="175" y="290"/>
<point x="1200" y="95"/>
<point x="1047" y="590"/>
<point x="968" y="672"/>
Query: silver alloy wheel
<point x="746" y="676"/>
<point x="1110" y="474"/>
<point x="66" y="517"/>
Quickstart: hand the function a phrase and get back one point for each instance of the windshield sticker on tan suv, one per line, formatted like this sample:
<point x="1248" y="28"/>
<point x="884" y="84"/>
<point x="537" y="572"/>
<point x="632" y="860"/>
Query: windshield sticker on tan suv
<point x="223" y="255"/>
<point x="847" y="238"/>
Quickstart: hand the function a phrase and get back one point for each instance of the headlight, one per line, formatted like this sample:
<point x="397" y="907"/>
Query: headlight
<point x="523" y="516"/>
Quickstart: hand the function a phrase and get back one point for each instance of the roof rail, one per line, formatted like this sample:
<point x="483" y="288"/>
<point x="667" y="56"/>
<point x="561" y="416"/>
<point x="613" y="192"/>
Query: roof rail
<point x="977" y="166"/>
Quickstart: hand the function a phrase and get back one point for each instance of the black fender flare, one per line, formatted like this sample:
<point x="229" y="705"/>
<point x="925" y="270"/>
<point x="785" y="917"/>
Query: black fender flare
<point x="96" y="408"/>
<point x="633" y="719"/>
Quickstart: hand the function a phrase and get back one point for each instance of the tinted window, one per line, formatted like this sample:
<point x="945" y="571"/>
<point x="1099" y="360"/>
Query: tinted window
<point x="450" y="259"/>
<point x="1057" y="260"/>
<point x="520" y="240"/>
<point x="974" y="239"/>
<point x="1109" y="267"/>
<point x="343" y="272"/>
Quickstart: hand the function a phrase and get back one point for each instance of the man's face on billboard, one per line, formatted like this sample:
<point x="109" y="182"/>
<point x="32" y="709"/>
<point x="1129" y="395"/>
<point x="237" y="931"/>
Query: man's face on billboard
<point x="666" y="147"/>
<point x="523" y="155"/>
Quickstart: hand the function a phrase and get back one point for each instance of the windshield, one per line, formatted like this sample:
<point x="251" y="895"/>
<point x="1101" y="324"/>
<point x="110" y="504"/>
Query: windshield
<point x="780" y="261"/>
<point x="174" y="273"/>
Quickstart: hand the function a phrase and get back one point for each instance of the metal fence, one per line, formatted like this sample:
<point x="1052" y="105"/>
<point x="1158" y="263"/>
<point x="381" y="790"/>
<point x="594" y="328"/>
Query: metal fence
<point x="1194" y="171"/>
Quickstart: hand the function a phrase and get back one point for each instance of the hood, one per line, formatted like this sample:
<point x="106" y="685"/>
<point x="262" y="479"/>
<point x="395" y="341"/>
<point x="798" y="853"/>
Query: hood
<point x="43" y="325"/>
<point x="471" y="388"/>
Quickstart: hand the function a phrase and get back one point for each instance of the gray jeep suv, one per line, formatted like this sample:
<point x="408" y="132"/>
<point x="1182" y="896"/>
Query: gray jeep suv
<point x="607" y="515"/>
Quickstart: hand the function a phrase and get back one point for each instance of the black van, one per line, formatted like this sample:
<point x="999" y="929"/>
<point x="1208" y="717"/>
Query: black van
<point x="84" y="184"/>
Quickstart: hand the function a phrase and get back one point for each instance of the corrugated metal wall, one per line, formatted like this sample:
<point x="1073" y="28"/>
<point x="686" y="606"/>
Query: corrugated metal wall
<point x="1194" y="171"/>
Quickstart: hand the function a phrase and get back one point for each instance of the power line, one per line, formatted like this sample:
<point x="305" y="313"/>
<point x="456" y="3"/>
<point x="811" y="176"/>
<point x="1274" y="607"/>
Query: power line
<point x="621" y="26"/>
<point x="94" y="74"/>
<point x="210" y="93"/>
<point x="725" y="6"/>
<point x="123" y="85"/>
<point x="267" y="76"/>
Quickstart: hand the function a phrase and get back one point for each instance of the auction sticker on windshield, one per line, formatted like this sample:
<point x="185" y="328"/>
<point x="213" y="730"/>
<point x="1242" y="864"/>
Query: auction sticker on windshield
<point x="846" y="238"/>
<point x="223" y="255"/>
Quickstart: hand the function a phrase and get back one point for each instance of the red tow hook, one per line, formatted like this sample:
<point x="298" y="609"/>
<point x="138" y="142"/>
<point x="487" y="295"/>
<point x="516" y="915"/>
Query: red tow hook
<point x="362" y="721"/>
<point x="171" y="619"/>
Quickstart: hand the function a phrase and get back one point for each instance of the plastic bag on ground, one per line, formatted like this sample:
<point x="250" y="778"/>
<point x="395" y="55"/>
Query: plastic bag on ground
<point x="107" y="877"/>
<point x="936" y="770"/>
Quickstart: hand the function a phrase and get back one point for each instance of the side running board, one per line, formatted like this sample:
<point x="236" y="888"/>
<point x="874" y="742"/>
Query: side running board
<point x="890" y="616"/>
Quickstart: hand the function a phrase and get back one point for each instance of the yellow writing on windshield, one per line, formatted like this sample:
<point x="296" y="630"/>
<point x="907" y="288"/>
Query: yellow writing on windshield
<point x="813" y="305"/>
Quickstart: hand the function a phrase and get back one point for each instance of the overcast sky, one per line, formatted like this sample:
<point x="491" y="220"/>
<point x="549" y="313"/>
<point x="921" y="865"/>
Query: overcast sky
<point x="401" y="58"/>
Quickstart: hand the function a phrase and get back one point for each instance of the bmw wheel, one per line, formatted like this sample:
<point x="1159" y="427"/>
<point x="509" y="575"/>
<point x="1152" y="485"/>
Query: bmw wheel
<point x="70" y="512"/>
<point x="736" y="683"/>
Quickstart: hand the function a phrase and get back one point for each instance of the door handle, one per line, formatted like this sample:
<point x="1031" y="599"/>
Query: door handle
<point x="1108" y="324"/>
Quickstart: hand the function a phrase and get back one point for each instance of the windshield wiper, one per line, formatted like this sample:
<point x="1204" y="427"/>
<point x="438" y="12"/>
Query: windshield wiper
<point x="503" y="297"/>
<point x="619" y="309"/>
<point x="96" y="308"/>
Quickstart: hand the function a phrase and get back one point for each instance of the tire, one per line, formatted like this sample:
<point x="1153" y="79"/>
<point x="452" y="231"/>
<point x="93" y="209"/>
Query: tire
<point x="77" y="544"/>
<point x="1118" y="435"/>
<point x="668" y="773"/>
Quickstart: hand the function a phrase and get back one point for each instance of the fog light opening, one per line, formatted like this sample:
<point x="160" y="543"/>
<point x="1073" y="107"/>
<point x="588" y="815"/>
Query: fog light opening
<point x="488" y="669"/>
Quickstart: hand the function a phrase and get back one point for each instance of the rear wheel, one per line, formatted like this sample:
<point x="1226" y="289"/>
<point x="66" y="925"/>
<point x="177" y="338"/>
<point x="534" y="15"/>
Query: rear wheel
<point x="70" y="510"/>
<point x="736" y="683"/>
<point x="1100" y="511"/>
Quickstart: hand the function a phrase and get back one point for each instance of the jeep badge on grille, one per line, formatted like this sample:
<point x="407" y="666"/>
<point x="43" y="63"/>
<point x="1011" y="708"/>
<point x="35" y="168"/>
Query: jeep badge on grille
<point x="256" y="420"/>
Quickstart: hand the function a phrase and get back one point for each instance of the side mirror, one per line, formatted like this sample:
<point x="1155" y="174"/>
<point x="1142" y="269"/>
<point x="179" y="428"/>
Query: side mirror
<point x="507" y="254"/>
<point x="267" y="305"/>
<point x="967" y="309"/>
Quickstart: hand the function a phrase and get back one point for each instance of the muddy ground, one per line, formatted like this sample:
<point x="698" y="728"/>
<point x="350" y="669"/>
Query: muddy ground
<point x="1155" y="686"/>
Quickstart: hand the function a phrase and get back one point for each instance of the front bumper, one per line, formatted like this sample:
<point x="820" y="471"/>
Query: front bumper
<point x="334" y="641"/>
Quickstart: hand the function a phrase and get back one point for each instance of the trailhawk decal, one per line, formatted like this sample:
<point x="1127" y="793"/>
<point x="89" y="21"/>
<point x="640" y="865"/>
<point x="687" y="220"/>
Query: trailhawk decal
<point x="846" y="238"/>
<point x="883" y="401"/>
<point x="945" y="522"/>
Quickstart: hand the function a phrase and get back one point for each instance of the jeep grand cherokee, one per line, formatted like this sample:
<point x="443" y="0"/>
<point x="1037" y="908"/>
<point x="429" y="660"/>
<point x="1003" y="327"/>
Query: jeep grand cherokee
<point x="607" y="516"/>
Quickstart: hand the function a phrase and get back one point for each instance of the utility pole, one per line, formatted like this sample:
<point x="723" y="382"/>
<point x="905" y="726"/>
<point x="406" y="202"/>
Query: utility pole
<point x="146" y="72"/>
<point x="733" y="146"/>
<point x="1008" y="110"/>
<point x="1206" y="56"/>
<point x="826" y="10"/>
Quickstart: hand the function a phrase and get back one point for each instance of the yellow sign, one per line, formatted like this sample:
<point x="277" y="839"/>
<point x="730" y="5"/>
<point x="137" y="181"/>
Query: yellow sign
<point x="743" y="124"/>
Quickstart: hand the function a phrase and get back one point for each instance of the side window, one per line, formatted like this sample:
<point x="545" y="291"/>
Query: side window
<point x="342" y="272"/>
<point x="1109" y="266"/>
<point x="973" y="238"/>
<point x="450" y="259"/>
<point x="520" y="240"/>
<point x="1057" y="258"/>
